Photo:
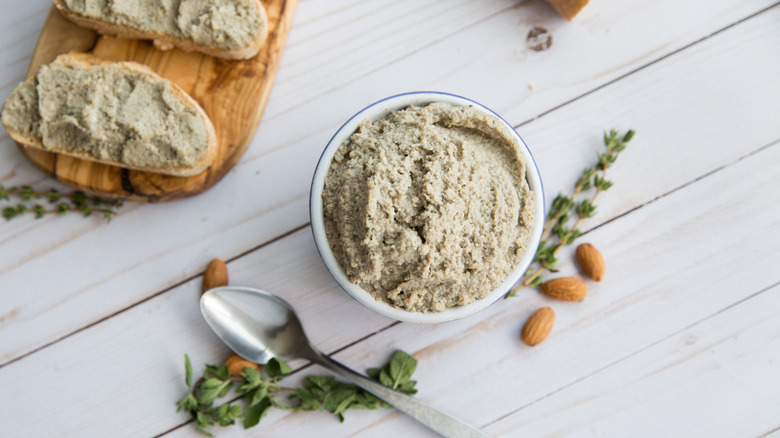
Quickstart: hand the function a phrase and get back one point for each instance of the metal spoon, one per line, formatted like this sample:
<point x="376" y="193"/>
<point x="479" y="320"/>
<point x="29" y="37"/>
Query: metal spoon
<point x="259" y="326"/>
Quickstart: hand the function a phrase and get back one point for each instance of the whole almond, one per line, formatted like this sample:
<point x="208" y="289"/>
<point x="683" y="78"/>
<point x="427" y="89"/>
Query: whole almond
<point x="565" y="289"/>
<point x="538" y="326"/>
<point x="591" y="261"/>
<point x="216" y="275"/>
<point x="236" y="365"/>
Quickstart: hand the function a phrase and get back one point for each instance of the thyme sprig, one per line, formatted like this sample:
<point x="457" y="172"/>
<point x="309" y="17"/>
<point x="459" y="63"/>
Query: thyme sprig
<point x="557" y="233"/>
<point x="261" y="391"/>
<point x="25" y="200"/>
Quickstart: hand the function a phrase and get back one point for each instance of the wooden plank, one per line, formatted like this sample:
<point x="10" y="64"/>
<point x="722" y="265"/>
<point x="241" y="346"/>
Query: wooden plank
<point x="717" y="378"/>
<point x="665" y="273"/>
<point x="139" y="352"/>
<point x="704" y="270"/>
<point x="274" y="178"/>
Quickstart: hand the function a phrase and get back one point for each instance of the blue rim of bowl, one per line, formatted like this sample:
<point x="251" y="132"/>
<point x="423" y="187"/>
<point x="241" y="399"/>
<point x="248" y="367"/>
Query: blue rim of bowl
<point x="365" y="298"/>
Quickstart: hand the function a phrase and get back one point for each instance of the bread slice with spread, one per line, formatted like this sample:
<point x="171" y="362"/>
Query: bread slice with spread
<point x="230" y="29"/>
<point x="117" y="113"/>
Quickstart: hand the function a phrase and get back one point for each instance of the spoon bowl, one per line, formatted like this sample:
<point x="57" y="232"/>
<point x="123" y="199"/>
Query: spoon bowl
<point x="259" y="326"/>
<point x="255" y="324"/>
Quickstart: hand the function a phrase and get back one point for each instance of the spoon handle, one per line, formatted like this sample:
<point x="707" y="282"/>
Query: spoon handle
<point x="435" y="419"/>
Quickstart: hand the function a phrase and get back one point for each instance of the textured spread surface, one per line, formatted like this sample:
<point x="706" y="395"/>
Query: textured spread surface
<point x="225" y="24"/>
<point x="110" y="113"/>
<point x="428" y="208"/>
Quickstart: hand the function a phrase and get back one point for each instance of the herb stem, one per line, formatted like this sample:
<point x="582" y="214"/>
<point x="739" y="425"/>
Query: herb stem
<point x="62" y="203"/>
<point x="556" y="234"/>
<point x="551" y="222"/>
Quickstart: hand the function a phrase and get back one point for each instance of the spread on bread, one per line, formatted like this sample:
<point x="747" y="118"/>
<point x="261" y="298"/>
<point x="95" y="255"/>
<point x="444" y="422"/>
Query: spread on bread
<point x="118" y="113"/>
<point x="232" y="29"/>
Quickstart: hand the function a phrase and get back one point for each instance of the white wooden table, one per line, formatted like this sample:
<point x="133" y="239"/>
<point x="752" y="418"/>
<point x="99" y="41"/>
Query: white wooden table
<point x="682" y="337"/>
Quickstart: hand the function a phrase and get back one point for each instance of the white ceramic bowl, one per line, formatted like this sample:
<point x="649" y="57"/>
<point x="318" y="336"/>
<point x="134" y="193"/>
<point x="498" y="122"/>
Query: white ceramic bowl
<point x="376" y="111"/>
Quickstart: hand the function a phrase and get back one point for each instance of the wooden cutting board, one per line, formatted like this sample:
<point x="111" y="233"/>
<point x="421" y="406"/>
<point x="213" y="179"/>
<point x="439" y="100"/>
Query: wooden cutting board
<point x="233" y="94"/>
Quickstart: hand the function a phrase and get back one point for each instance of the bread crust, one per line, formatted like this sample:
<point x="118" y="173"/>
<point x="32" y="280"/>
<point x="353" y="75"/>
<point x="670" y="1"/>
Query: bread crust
<point x="84" y="61"/>
<point x="165" y="42"/>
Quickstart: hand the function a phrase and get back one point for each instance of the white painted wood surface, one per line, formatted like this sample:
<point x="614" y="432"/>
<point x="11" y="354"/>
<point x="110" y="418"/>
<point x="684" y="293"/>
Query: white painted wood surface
<point x="679" y="339"/>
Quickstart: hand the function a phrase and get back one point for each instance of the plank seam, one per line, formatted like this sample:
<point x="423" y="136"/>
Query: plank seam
<point x="405" y="55"/>
<point x="649" y="64"/>
<point x="777" y="429"/>
<point x="684" y="185"/>
<point x="629" y="356"/>
<point x="150" y="297"/>
<point x="296" y="229"/>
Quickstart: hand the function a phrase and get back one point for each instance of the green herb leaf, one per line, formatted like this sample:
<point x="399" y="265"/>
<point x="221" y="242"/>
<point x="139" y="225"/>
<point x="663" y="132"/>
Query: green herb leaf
<point x="186" y="404"/>
<point x="260" y="394"/>
<point x="401" y="368"/>
<point x="209" y="390"/>
<point x="319" y="381"/>
<point x="253" y="414"/>
<point x="276" y="368"/>
<point x="557" y="233"/>
<point x="76" y="201"/>
<point x="252" y="376"/>
<point x="337" y="401"/>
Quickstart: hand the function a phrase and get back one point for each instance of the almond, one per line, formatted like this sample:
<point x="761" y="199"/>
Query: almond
<point x="216" y="275"/>
<point x="565" y="289"/>
<point x="538" y="326"/>
<point x="591" y="261"/>
<point x="236" y="365"/>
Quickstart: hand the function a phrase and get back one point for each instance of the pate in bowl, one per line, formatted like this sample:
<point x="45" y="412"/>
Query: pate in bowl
<point x="426" y="207"/>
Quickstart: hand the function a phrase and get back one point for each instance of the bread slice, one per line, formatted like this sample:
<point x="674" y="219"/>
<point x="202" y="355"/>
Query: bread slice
<point x="117" y="113"/>
<point x="229" y="29"/>
<point x="568" y="8"/>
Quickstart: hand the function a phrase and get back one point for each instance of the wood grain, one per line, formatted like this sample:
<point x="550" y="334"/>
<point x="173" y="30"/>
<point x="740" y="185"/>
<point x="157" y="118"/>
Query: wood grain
<point x="715" y="359"/>
<point x="689" y="232"/>
<point x="139" y="268"/>
<point x="233" y="94"/>
<point x="477" y="358"/>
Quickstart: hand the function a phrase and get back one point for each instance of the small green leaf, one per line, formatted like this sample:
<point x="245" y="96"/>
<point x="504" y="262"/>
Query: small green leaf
<point x="401" y="367"/>
<point x="408" y="387"/>
<point x="225" y="388"/>
<point x="208" y="391"/>
<point x="62" y="209"/>
<point x="277" y="368"/>
<point x="221" y="372"/>
<point x="385" y="379"/>
<point x="253" y="414"/>
<point x="258" y="396"/>
<point x="187" y="404"/>
<point x="373" y="373"/>
<point x="252" y="376"/>
<point x="202" y="419"/>
<point x="9" y="213"/>
<point x="53" y="196"/>
<point x="319" y="381"/>
<point x="204" y="431"/>
<point x="304" y="394"/>
<point x="337" y="401"/>
<point x="318" y="392"/>
<point x="26" y="193"/>
<point x="368" y="400"/>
